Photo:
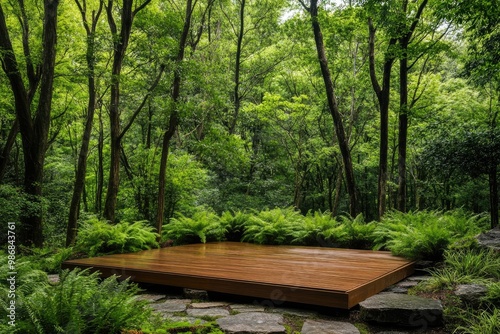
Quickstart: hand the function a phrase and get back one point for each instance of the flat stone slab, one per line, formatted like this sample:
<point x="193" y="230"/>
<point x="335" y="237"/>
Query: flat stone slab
<point x="293" y="311"/>
<point x="53" y="278"/>
<point x="207" y="312"/>
<point x="328" y="327"/>
<point x="252" y="322"/>
<point x="171" y="305"/>
<point x="190" y="320"/>
<point x="247" y="308"/>
<point x="402" y="310"/>
<point x="150" y="297"/>
<point x="209" y="304"/>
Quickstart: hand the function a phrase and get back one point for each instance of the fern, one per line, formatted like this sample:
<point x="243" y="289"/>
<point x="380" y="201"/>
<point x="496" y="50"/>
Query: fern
<point x="273" y="227"/>
<point x="425" y="234"/>
<point x="98" y="237"/>
<point x="202" y="227"/>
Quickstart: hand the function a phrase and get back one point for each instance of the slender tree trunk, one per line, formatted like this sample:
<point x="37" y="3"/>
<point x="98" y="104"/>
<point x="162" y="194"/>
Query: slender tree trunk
<point x="383" y="96"/>
<point x="334" y="110"/>
<point x="493" y="196"/>
<point x="403" y="129"/>
<point x="81" y="172"/>
<point x="173" y="120"/>
<point x="100" y="167"/>
<point x="236" y="93"/>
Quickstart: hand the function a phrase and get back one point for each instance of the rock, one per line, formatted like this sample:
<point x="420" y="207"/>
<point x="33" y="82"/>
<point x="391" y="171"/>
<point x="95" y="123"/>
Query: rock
<point x="293" y="311"/>
<point x="150" y="297"/>
<point x="240" y="308"/>
<point x="53" y="278"/>
<point x="396" y="289"/>
<point x="328" y="327"/>
<point x="171" y="305"/>
<point x="208" y="305"/>
<point x="190" y="320"/>
<point x="252" y="322"/>
<point x="406" y="284"/>
<point x="195" y="294"/>
<point x="207" y="312"/>
<point x="490" y="239"/>
<point x="471" y="293"/>
<point x="402" y="310"/>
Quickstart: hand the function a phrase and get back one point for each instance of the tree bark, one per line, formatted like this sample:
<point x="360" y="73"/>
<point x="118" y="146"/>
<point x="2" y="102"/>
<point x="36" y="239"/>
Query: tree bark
<point x="120" y="47"/>
<point x="236" y="93"/>
<point x="11" y="139"/>
<point x="34" y="131"/>
<point x="173" y="119"/>
<point x="334" y="110"/>
<point x="404" y="41"/>
<point x="383" y="97"/>
<point x="81" y="172"/>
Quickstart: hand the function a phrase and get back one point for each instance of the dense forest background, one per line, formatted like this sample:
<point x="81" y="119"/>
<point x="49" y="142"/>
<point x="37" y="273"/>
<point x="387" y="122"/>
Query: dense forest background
<point x="143" y="110"/>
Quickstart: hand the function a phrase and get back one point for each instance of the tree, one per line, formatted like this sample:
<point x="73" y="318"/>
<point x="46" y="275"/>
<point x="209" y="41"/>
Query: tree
<point x="90" y="25"/>
<point x="34" y="121"/>
<point x="333" y="106"/>
<point x="120" y="43"/>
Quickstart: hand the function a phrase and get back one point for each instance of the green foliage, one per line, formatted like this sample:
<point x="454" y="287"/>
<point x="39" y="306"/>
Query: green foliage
<point x="425" y="234"/>
<point x="273" y="227"/>
<point x="203" y="226"/>
<point x="160" y="325"/>
<point x="97" y="237"/>
<point x="486" y="322"/>
<point x="79" y="303"/>
<point x="234" y="222"/>
<point x="465" y="266"/>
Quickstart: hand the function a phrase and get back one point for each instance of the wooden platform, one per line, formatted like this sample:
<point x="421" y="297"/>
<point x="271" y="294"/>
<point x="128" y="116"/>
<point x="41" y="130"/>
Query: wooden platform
<point x="332" y="277"/>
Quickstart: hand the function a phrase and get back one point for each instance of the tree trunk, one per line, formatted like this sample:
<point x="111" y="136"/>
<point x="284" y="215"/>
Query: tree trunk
<point x="383" y="96"/>
<point x="493" y="196"/>
<point x="334" y="110"/>
<point x="403" y="128"/>
<point x="236" y="93"/>
<point x="81" y="172"/>
<point x="11" y="139"/>
<point x="173" y="120"/>
<point x="34" y="132"/>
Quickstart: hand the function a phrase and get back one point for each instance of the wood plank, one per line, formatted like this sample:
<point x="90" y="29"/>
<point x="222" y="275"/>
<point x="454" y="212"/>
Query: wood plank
<point x="312" y="275"/>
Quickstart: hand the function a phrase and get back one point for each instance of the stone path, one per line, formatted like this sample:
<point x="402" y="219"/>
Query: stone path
<point x="390" y="312"/>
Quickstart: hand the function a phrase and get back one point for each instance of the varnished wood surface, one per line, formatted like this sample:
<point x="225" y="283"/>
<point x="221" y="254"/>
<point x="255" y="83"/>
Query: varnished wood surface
<point x="312" y="275"/>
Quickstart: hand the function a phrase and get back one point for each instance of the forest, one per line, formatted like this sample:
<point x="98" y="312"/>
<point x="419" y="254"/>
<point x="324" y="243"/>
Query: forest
<point x="160" y="113"/>
<point x="136" y="110"/>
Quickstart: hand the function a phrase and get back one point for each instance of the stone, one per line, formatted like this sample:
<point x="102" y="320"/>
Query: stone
<point x="150" y="297"/>
<point x="252" y="322"/>
<point x="406" y="284"/>
<point x="209" y="304"/>
<point x="396" y="289"/>
<point x="190" y="320"/>
<point x="240" y="308"/>
<point x="171" y="305"/>
<point x="490" y="239"/>
<point x="328" y="327"/>
<point x="402" y="310"/>
<point x="418" y="278"/>
<point x="293" y="311"/>
<point x="53" y="278"/>
<point x="471" y="293"/>
<point x="207" y="312"/>
<point x="195" y="294"/>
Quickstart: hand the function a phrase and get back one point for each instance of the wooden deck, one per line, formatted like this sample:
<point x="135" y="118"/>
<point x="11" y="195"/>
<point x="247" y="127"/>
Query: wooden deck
<point x="331" y="277"/>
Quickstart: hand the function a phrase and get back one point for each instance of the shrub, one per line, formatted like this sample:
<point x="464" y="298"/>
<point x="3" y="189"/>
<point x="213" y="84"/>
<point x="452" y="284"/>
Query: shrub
<point x="273" y="227"/>
<point x="425" y="234"/>
<point x="485" y="322"/>
<point x="234" y="223"/>
<point x="98" y="237"/>
<point x="202" y="227"/>
<point x="80" y="303"/>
